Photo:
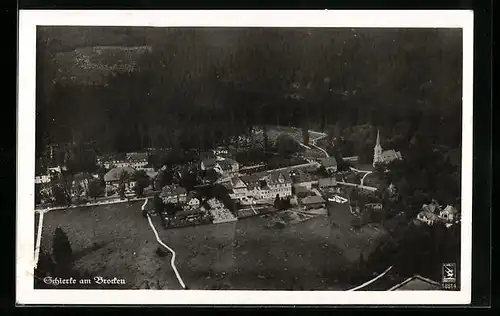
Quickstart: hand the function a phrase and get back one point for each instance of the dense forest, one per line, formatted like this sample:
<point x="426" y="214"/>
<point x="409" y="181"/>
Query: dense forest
<point x="196" y="87"/>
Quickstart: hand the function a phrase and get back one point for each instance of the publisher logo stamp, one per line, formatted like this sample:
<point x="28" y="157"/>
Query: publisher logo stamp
<point x="449" y="273"/>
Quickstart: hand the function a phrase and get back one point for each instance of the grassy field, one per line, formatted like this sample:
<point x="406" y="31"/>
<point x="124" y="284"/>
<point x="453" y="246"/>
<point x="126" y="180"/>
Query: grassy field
<point x="116" y="241"/>
<point x="111" y="241"/>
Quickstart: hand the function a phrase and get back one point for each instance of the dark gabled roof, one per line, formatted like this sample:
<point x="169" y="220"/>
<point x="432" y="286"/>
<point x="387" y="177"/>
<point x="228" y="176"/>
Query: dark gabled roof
<point x="417" y="283"/>
<point x="300" y="189"/>
<point x="236" y="182"/>
<point x="329" y="162"/>
<point x="115" y="173"/>
<point x="250" y="178"/>
<point x="278" y="177"/>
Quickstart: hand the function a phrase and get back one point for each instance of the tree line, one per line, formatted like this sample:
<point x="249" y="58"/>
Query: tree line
<point x="191" y="93"/>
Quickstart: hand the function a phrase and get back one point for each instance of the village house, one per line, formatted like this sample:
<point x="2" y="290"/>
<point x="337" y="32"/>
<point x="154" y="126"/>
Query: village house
<point x="137" y="161"/>
<point x="44" y="178"/>
<point x="449" y="214"/>
<point x="193" y="203"/>
<point x="329" y="163"/>
<point x="261" y="187"/>
<point x="427" y="217"/>
<point x="278" y="183"/>
<point x="390" y="155"/>
<point x="300" y="191"/>
<point x="326" y="183"/>
<point x="238" y="187"/>
<point x="173" y="194"/>
<point x="220" y="151"/>
<point x="303" y="179"/>
<point x="227" y="167"/>
<point x="208" y="163"/>
<point x="314" y="201"/>
<point x="112" y="160"/>
<point x="52" y="173"/>
<point x="429" y="214"/>
<point x="112" y="179"/>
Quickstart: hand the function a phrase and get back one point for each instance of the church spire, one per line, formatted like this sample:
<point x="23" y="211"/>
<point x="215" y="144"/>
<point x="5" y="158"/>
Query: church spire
<point x="377" y="151"/>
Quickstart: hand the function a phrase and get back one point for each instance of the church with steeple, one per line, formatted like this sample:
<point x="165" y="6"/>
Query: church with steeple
<point x="381" y="156"/>
<point x="377" y="151"/>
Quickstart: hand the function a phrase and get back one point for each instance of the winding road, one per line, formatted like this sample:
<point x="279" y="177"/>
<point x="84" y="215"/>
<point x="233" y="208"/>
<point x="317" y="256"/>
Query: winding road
<point x="172" y="261"/>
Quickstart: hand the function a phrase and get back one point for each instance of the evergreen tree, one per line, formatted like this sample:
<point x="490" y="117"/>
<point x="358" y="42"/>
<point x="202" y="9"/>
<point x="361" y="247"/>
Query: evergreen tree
<point x="62" y="252"/>
<point x="277" y="201"/>
<point x="95" y="188"/>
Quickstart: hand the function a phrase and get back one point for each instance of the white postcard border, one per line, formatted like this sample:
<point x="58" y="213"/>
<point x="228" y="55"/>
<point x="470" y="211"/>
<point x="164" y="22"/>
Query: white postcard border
<point x="29" y="19"/>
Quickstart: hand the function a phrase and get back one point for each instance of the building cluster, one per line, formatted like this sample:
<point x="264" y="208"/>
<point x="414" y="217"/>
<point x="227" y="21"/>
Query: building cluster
<point x="138" y="161"/>
<point x="433" y="213"/>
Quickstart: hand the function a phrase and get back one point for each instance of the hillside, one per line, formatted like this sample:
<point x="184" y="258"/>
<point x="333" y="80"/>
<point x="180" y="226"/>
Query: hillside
<point x="93" y="65"/>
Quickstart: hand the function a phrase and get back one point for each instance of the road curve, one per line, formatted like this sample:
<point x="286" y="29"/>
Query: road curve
<point x="172" y="261"/>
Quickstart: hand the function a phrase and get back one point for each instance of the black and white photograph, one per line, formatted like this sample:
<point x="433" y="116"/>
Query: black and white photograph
<point x="317" y="161"/>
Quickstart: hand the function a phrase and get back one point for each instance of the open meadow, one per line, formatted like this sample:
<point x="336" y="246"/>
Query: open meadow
<point x="116" y="241"/>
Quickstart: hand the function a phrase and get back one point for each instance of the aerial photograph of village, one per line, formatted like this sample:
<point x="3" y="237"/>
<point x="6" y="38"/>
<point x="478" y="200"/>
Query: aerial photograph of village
<point x="248" y="158"/>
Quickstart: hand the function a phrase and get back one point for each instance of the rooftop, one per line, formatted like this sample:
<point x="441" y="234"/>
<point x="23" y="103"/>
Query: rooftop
<point x="417" y="283"/>
<point x="236" y="183"/>
<point x="301" y="177"/>
<point x="391" y="154"/>
<point x="115" y="173"/>
<point x="131" y="157"/>
<point x="279" y="177"/>
<point x="172" y="190"/>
